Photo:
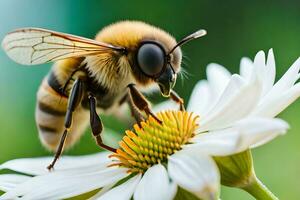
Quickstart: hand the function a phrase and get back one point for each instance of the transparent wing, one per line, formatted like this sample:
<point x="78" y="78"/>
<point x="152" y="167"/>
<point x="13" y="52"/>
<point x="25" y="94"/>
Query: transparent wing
<point x="31" y="46"/>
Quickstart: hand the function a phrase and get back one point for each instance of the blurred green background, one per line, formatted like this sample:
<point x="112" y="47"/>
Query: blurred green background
<point x="235" y="29"/>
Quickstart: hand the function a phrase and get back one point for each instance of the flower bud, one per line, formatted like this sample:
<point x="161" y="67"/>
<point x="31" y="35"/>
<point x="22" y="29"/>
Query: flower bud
<point x="236" y="170"/>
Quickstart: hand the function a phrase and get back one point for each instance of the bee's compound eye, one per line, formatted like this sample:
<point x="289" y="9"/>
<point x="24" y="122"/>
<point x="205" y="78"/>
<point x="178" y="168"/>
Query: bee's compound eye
<point x="151" y="59"/>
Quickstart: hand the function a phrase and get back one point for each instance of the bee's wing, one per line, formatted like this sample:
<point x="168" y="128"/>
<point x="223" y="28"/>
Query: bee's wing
<point x="31" y="46"/>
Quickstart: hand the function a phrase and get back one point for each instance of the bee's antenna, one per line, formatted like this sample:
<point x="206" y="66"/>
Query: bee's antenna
<point x="188" y="38"/>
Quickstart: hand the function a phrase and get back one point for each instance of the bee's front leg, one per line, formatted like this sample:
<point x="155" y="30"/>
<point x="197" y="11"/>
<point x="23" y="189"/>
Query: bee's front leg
<point x="175" y="97"/>
<point x="96" y="124"/>
<point x="140" y="101"/>
<point x="135" y="112"/>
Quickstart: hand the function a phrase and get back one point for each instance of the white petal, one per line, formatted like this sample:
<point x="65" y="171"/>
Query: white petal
<point x="165" y="105"/>
<point x="37" y="166"/>
<point x="236" y="104"/>
<point x="155" y="184"/>
<point x="10" y="181"/>
<point x="234" y="85"/>
<point x="218" y="77"/>
<point x="259" y="70"/>
<point x="217" y="143"/>
<point x="201" y="98"/>
<point x="277" y="104"/>
<point x="245" y="134"/>
<point x="260" y="59"/>
<point x="259" y="63"/>
<point x="270" y="72"/>
<point x="258" y="131"/>
<point x="65" y="184"/>
<point x="194" y="172"/>
<point x="285" y="83"/>
<point x="123" y="191"/>
<point x="290" y="77"/>
<point x="246" y="68"/>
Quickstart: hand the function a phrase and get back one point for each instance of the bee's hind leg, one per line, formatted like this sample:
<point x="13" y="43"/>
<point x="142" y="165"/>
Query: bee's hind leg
<point x="74" y="100"/>
<point x="96" y="124"/>
<point x="140" y="101"/>
<point x="175" y="97"/>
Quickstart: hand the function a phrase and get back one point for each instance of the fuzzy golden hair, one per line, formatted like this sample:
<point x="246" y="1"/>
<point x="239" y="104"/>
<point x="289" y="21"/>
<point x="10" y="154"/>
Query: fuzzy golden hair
<point x="110" y="68"/>
<point x="129" y="34"/>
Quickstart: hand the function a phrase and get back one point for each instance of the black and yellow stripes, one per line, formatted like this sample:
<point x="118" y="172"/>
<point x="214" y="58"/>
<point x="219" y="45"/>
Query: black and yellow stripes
<point x="50" y="109"/>
<point x="50" y="112"/>
<point x="50" y="117"/>
<point x="47" y="129"/>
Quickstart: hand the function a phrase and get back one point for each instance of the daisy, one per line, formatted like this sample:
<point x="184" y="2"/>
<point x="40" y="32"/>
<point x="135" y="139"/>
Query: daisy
<point x="224" y="99"/>
<point x="154" y="160"/>
<point x="151" y="162"/>
<point x="271" y="98"/>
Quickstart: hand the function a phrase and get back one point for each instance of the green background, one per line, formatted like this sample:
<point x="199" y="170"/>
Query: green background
<point x="235" y="29"/>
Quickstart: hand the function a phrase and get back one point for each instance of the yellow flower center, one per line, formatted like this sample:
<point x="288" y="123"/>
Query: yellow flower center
<point x="152" y="142"/>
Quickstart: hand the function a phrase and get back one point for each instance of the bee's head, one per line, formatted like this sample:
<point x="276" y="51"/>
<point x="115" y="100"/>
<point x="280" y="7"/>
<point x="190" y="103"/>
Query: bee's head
<point x="160" y="64"/>
<point x="154" y="62"/>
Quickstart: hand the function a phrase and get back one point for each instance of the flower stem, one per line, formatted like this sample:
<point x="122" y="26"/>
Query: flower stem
<point x="258" y="190"/>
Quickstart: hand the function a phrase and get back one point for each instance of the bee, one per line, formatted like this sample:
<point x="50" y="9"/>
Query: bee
<point x="99" y="75"/>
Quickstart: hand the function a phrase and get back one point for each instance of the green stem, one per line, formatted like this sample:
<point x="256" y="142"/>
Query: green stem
<point x="258" y="190"/>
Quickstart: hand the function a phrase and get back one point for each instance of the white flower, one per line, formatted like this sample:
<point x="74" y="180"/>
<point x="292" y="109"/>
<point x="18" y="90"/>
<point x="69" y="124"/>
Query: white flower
<point x="235" y="115"/>
<point x="223" y="99"/>
<point x="221" y="89"/>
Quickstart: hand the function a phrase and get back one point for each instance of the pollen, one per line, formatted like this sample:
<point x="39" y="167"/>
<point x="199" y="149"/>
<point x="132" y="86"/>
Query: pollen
<point x="151" y="142"/>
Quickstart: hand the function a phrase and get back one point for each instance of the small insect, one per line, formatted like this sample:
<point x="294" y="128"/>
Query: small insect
<point x="91" y="76"/>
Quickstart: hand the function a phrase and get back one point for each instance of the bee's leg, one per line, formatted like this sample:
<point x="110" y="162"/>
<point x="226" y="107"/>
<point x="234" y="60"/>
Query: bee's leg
<point x="175" y="97"/>
<point x="138" y="116"/>
<point x="141" y="102"/>
<point x="74" y="100"/>
<point x="96" y="124"/>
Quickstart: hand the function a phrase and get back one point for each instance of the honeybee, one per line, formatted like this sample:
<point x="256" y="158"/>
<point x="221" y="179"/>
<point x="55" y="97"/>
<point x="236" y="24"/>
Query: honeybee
<point x="96" y="75"/>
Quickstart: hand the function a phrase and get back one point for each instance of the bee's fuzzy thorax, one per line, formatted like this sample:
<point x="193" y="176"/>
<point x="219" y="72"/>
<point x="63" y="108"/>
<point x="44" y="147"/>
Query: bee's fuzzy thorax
<point x="130" y="33"/>
<point x="110" y="73"/>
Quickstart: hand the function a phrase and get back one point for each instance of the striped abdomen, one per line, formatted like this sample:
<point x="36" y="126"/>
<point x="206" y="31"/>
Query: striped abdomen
<point x="50" y="114"/>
